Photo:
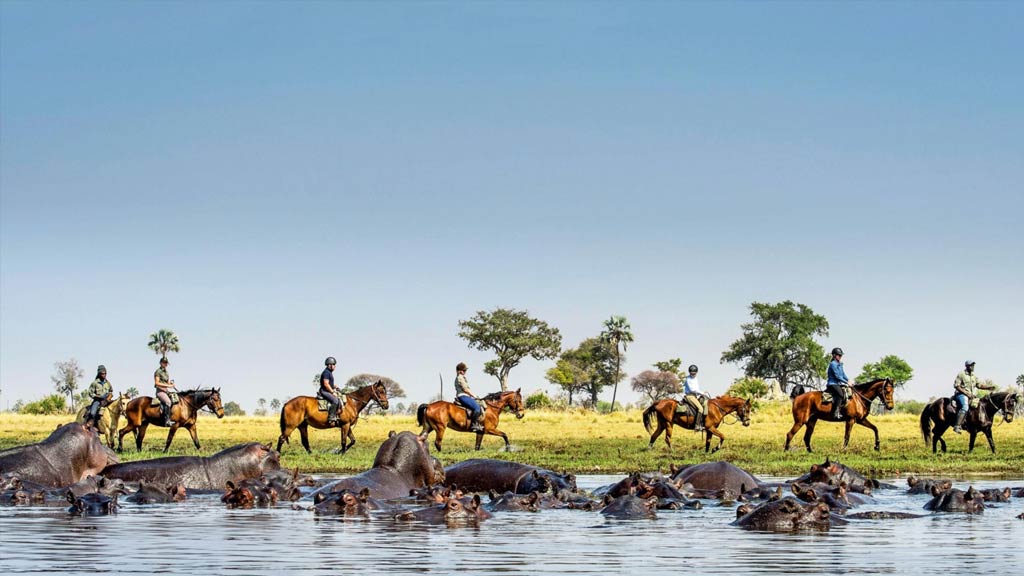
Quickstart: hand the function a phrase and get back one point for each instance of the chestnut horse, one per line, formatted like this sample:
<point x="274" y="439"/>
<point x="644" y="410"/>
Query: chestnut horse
<point x="440" y="415"/>
<point x="302" y="412"/>
<point x="941" y="414"/>
<point x="665" y="412"/>
<point x="110" y="417"/>
<point x="144" y="410"/>
<point x="808" y="408"/>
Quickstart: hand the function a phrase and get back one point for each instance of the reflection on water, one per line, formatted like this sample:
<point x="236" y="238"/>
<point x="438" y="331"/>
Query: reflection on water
<point x="201" y="536"/>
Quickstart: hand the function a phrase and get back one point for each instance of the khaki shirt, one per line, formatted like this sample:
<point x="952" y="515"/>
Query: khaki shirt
<point x="99" y="389"/>
<point x="967" y="383"/>
<point x="162" y="377"/>
<point x="462" y="385"/>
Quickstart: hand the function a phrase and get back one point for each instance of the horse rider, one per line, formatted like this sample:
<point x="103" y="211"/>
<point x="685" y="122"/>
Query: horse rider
<point x="694" y="396"/>
<point x="464" y="396"/>
<point x="836" y="380"/>
<point x="102" y="394"/>
<point x="164" y="386"/>
<point x="328" y="391"/>
<point x="965" y="387"/>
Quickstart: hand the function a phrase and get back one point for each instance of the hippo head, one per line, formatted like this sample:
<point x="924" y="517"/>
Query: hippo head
<point x="805" y="493"/>
<point x="177" y="492"/>
<point x="456" y="509"/>
<point x="94" y="504"/>
<point x="406" y="453"/>
<point x="237" y="496"/>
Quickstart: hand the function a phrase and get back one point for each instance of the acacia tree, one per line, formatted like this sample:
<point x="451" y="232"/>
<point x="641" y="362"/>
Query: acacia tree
<point x="617" y="331"/>
<point x="569" y="376"/>
<point x="65" y="380"/>
<point x="586" y="369"/>
<point x="163" y="341"/>
<point x="891" y="366"/>
<point x="275" y="405"/>
<point x="392" y="388"/>
<point x="656" y="384"/>
<point x="512" y="335"/>
<point x="674" y="365"/>
<point x="780" y="344"/>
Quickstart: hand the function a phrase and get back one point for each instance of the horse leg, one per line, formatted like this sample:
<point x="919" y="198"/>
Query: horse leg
<point x="170" y="436"/>
<point x="991" y="443"/>
<point x="140" y="435"/>
<point x="792" y="432"/>
<point x="304" y="435"/>
<point x="351" y="438"/>
<point x="194" y="434"/>
<point x="657" y="432"/>
<point x="970" y="447"/>
<point x="867" y="424"/>
<point x="120" y="436"/>
<point x="668" y="435"/>
<point x="846" y="433"/>
<point x="721" y="439"/>
<point x="808" y="432"/>
<point x="438" y="436"/>
<point x="286" y="431"/>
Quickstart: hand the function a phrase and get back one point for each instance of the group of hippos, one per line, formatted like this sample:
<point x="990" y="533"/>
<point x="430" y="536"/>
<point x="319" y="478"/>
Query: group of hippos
<point x="407" y="483"/>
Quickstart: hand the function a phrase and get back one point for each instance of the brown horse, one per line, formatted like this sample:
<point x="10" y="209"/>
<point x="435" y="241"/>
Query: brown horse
<point x="302" y="412"/>
<point x="938" y="416"/>
<point x="110" y="417"/>
<point x="808" y="408"/>
<point x="439" y="416"/>
<point x="665" y="412"/>
<point x="144" y="410"/>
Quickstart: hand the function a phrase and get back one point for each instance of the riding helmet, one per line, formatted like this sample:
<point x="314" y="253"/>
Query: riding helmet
<point x="330" y="361"/>
<point x="461" y="367"/>
<point x="837" y="351"/>
<point x="692" y="369"/>
<point x="969" y="363"/>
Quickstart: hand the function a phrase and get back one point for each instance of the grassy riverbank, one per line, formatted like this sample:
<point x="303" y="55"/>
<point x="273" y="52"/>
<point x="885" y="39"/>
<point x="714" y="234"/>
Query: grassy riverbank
<point x="584" y="442"/>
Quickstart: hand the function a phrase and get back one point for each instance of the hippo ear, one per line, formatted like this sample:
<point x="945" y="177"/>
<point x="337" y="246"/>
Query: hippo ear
<point x="71" y="496"/>
<point x="319" y="497"/>
<point x="492" y="494"/>
<point x="796" y="488"/>
<point x="743" y="510"/>
<point x="364" y="494"/>
<point x="1006" y="492"/>
<point x="391" y="434"/>
<point x="607" y="500"/>
<point x="534" y="497"/>
<point x="814" y="468"/>
<point x="476" y="501"/>
<point x="912" y="481"/>
<point x="789" y="506"/>
<point x="935" y="490"/>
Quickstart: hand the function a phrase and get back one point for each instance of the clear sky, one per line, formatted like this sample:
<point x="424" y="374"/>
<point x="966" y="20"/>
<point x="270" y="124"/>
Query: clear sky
<point x="279" y="182"/>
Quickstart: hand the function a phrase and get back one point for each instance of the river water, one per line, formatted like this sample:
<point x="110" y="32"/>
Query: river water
<point x="201" y="536"/>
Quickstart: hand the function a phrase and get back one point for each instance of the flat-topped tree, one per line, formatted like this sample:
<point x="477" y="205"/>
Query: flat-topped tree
<point x="512" y="335"/>
<point x="163" y="341"/>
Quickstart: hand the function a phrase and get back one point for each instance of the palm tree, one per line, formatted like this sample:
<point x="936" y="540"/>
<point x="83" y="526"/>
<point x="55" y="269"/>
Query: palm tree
<point x="132" y="392"/>
<point x="163" y="341"/>
<point x="617" y="331"/>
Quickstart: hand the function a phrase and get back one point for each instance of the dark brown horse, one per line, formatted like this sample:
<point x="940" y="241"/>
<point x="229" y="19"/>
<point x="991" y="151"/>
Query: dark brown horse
<point x="439" y="416"/>
<point x="144" y="410"/>
<point x="665" y="412"/>
<point x="302" y="412"/>
<point x="938" y="416"/>
<point x="808" y="408"/>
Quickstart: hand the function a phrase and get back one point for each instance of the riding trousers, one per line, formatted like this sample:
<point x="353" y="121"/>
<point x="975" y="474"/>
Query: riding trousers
<point x="471" y="403"/>
<point x="94" y="409"/>
<point x="163" y="397"/>
<point x="961" y="403"/>
<point x="334" y="400"/>
<point x="836" y="391"/>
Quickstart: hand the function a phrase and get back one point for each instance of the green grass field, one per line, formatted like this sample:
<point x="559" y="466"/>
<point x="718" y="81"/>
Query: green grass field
<point x="585" y="442"/>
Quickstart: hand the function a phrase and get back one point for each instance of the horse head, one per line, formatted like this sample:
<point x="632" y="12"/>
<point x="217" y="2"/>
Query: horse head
<point x="516" y="404"/>
<point x="887" y="393"/>
<point x="743" y="412"/>
<point x="214" y="404"/>
<point x="379" y="393"/>
<point x="1010" y="404"/>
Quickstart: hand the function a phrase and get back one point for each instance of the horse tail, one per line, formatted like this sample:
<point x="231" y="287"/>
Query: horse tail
<point x="421" y="415"/>
<point x="926" y="428"/>
<point x="284" y="420"/>
<point x="649" y="416"/>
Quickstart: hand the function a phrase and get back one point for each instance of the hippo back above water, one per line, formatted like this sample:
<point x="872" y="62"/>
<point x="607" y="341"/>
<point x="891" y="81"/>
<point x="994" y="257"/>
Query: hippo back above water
<point x="402" y="464"/>
<point x="834" y="474"/>
<point x="484" y="475"/>
<point x="710" y="477"/>
<point x="234" y="464"/>
<point x="71" y="453"/>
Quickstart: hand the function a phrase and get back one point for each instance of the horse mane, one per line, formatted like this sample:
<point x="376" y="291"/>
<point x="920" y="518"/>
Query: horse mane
<point x="866" y="385"/>
<point x="493" y="396"/>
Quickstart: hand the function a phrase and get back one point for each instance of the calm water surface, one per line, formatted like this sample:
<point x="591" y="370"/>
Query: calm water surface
<point x="200" y="536"/>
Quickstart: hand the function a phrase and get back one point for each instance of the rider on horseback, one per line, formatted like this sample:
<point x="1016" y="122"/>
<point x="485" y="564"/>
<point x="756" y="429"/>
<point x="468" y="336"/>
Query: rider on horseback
<point x="328" y="391"/>
<point x="836" y="380"/>
<point x="694" y="396"/>
<point x="102" y="394"/>
<point x="164" y="385"/>
<point x="965" y="387"/>
<point x="465" y="397"/>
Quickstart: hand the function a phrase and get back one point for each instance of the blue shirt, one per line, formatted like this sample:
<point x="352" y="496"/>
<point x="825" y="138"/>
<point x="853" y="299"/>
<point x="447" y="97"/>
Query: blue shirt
<point x="327" y="375"/>
<point x="836" y="374"/>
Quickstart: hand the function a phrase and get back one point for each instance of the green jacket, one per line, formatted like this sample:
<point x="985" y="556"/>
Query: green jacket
<point x="100" y="389"/>
<point x="968" y="384"/>
<point x="162" y="376"/>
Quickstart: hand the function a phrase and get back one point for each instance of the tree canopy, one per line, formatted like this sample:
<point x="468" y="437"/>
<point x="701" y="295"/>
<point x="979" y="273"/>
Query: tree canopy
<point x="891" y="366"/>
<point x="66" y="378"/>
<point x="393" y="389"/>
<point x="512" y="335"/>
<point x="779" y="343"/>
<point x="586" y="369"/>
<point x="674" y="365"/>
<point x="163" y="341"/>
<point x="656" y="384"/>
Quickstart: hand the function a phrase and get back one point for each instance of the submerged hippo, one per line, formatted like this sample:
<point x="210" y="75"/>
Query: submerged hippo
<point x="882" y="515"/>
<point x="233" y="464"/>
<point x="837" y="498"/>
<point x="710" y="478"/>
<point x="402" y="464"/>
<point x="483" y="475"/>
<point x="453" y="511"/>
<point x="924" y="485"/>
<point x="100" y="484"/>
<point x="786" y="515"/>
<point x="629" y="507"/>
<point x="68" y="455"/>
<point x="347" y="503"/>
<point x="157" y="494"/>
<point x="248" y="494"/>
<point x="995" y="494"/>
<point x="94" y="504"/>
<point x="834" y="474"/>
<point x="956" y="500"/>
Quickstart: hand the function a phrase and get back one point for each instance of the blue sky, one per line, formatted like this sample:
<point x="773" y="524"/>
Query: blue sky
<point x="279" y="182"/>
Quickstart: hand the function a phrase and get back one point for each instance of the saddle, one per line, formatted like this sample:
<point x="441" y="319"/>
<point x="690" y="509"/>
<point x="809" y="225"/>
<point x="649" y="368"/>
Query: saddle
<point x="951" y="406"/>
<point x="685" y="408"/>
<point x="826" y="396"/>
<point x="323" y="405"/>
<point x="458" y="402"/>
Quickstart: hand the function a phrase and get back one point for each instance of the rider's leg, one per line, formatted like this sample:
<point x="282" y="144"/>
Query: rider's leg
<point x="93" y="413"/>
<point x="472" y="404"/>
<point x="698" y="421"/>
<point x="165" y="406"/>
<point x="335" y="402"/>
<point x="962" y="405"/>
<point x="837" y="399"/>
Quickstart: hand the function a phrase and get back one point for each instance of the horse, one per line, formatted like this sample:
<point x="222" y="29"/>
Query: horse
<point x="808" y="408"/>
<point x="441" y="415"/>
<point x="302" y="412"/>
<point x="938" y="416"/>
<point x="110" y="417"/>
<point x="145" y="410"/>
<point x="665" y="412"/>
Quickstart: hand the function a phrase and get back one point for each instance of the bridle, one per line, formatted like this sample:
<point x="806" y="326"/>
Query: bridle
<point x="735" y="413"/>
<point x="376" y="397"/>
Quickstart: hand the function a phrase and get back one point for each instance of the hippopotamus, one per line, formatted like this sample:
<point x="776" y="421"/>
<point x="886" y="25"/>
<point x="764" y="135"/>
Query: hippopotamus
<point x="629" y="507"/>
<point x="20" y="497"/>
<point x="956" y="500"/>
<point x="883" y="515"/>
<point x="482" y="475"/>
<point x="348" y="503"/>
<point x="763" y="492"/>
<point x="453" y="511"/>
<point x="924" y="485"/>
<point x="995" y="494"/>
<point x="710" y="478"/>
<point x="1018" y="493"/>
<point x="233" y="464"/>
<point x="68" y="455"/>
<point x="834" y="473"/>
<point x="94" y="504"/>
<point x="155" y="494"/>
<point x="401" y="465"/>
<point x="248" y="494"/>
<point x="512" y="502"/>
<point x="837" y="498"/>
<point x="786" y="515"/>
<point x="99" y="484"/>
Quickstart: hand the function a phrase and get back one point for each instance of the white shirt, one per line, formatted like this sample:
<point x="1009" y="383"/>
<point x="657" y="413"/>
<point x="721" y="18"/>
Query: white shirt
<point x="691" y="385"/>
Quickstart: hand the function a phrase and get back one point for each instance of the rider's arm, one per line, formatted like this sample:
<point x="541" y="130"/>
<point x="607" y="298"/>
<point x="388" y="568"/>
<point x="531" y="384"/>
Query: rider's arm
<point x="958" y="385"/>
<point x="327" y="385"/>
<point x="984" y="386"/>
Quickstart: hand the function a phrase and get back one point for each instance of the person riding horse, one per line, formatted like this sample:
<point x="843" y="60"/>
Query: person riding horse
<point x="694" y="396"/>
<point x="102" y="394"/>
<point x="328" y="391"/>
<point x="164" y="386"/>
<point x="836" y="381"/>
<point x="965" y="387"/>
<point x="464" y="396"/>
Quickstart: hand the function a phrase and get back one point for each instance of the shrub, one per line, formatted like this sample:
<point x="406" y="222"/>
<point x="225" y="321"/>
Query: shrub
<point x="538" y="400"/>
<point x="52" y="404"/>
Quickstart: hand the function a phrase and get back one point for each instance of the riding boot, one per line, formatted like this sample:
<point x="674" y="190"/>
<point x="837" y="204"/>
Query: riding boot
<point x="167" y="414"/>
<point x="960" y="416"/>
<point x="476" y="426"/>
<point x="698" y="423"/>
<point x="332" y="414"/>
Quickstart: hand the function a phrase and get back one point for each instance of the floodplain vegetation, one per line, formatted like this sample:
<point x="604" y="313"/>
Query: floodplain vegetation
<point x="585" y="442"/>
